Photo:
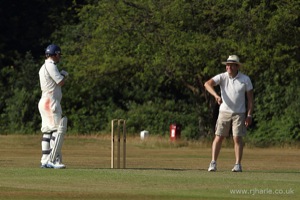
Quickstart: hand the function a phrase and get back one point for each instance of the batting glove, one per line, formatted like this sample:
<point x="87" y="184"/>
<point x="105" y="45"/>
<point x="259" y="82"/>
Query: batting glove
<point x="64" y="73"/>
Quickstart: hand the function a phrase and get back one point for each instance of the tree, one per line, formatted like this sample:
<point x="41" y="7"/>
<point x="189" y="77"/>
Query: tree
<point x="146" y="61"/>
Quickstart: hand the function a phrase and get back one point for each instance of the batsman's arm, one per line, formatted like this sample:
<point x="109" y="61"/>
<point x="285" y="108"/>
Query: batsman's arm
<point x="61" y="83"/>
<point x="65" y="75"/>
<point x="209" y="86"/>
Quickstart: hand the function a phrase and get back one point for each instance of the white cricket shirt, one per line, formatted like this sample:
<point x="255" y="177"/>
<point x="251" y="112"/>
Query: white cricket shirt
<point x="233" y="91"/>
<point x="49" y="79"/>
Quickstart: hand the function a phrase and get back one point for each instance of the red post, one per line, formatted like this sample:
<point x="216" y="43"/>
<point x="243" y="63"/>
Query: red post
<point x="175" y="131"/>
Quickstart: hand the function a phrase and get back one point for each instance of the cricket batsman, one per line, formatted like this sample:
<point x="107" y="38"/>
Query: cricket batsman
<point x="54" y="126"/>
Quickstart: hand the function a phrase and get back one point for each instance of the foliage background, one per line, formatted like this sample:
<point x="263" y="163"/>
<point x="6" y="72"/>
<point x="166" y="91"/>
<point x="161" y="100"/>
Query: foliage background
<point x="146" y="61"/>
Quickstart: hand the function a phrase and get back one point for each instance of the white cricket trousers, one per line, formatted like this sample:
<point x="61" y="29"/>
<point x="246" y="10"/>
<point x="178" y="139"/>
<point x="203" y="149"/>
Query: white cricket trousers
<point x="51" y="113"/>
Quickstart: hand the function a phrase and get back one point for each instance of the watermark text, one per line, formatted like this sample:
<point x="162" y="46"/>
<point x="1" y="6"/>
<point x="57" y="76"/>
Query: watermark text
<point x="265" y="191"/>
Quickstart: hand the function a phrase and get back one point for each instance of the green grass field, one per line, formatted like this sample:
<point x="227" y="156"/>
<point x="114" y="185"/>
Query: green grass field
<point x="156" y="169"/>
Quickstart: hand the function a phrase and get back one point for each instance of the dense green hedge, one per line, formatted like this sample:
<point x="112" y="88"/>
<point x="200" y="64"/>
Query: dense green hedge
<point x="147" y="61"/>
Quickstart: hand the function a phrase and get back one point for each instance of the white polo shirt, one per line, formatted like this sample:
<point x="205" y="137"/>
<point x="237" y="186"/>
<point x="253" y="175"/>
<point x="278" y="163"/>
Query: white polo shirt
<point x="49" y="79"/>
<point x="233" y="91"/>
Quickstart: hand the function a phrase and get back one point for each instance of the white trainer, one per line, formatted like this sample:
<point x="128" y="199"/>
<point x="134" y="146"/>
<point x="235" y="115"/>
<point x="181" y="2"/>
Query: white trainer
<point x="56" y="165"/>
<point x="44" y="166"/>
<point x="237" y="168"/>
<point x="212" y="166"/>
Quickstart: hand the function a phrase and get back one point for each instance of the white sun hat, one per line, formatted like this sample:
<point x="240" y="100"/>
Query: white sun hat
<point x="232" y="59"/>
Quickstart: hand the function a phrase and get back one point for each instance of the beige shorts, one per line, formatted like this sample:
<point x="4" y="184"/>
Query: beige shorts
<point x="236" y="121"/>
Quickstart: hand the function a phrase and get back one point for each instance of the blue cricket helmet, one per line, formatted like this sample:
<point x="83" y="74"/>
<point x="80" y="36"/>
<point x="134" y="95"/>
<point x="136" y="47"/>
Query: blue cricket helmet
<point x="53" y="49"/>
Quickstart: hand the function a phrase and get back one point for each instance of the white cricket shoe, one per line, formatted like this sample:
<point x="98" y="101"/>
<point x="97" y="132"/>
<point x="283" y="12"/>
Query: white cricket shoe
<point x="237" y="168"/>
<point x="56" y="165"/>
<point x="212" y="166"/>
<point x="44" y="166"/>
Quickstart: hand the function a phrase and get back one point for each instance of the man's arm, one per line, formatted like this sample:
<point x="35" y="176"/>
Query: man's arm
<point x="250" y="107"/>
<point x="61" y="83"/>
<point x="209" y="86"/>
<point x="250" y="102"/>
<point x="65" y="75"/>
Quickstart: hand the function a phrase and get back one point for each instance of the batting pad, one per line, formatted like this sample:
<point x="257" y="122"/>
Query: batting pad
<point x="62" y="129"/>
